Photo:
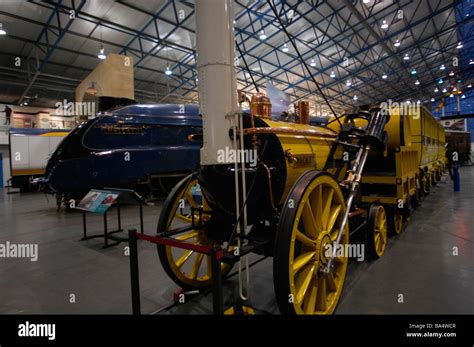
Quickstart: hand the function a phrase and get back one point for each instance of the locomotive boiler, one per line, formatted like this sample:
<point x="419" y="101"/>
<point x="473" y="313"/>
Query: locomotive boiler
<point x="310" y="192"/>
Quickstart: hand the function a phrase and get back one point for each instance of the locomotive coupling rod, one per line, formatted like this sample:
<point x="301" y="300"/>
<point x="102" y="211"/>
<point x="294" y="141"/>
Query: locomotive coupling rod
<point x="354" y="181"/>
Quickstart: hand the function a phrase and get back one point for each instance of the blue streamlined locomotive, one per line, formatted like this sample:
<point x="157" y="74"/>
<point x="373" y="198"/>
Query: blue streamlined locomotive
<point x="144" y="147"/>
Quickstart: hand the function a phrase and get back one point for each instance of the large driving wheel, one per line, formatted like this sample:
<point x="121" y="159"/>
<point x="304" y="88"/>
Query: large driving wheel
<point x="309" y="222"/>
<point x="188" y="269"/>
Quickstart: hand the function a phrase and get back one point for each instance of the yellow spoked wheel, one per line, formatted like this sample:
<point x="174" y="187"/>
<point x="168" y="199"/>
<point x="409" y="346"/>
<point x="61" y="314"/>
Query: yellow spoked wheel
<point x="376" y="231"/>
<point x="309" y="223"/>
<point x="395" y="221"/>
<point x="187" y="268"/>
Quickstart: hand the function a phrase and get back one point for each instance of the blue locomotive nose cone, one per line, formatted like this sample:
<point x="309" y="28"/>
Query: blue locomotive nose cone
<point x="137" y="146"/>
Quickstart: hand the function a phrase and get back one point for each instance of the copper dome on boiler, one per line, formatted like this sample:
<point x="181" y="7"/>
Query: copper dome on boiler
<point x="261" y="106"/>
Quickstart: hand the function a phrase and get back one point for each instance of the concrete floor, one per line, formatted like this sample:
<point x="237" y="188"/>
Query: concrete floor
<point x="419" y="263"/>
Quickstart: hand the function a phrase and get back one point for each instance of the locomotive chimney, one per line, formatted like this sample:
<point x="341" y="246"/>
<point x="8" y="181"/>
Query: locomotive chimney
<point x="303" y="111"/>
<point x="215" y="62"/>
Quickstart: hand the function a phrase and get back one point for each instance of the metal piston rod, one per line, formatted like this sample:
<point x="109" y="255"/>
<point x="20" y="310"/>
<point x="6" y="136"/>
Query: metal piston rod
<point x="243" y="296"/>
<point x="354" y="178"/>
<point x="240" y="210"/>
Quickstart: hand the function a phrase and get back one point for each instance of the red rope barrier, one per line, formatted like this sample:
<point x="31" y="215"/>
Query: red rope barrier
<point x="180" y="244"/>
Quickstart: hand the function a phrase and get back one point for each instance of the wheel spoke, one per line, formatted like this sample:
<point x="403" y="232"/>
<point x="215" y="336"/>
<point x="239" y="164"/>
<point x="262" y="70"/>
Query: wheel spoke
<point x="186" y="254"/>
<point x="380" y="247"/>
<point x="317" y="207"/>
<point x="309" y="222"/>
<point x="305" y="240"/>
<point x="332" y="286"/>
<point x="310" y="302"/>
<point x="335" y="210"/>
<point x="377" y="238"/>
<point x="187" y="236"/>
<point x="302" y="260"/>
<point x="327" y="201"/>
<point x="196" y="266"/>
<point x="183" y="217"/>
<point x="303" y="282"/>
<point x="321" y="297"/>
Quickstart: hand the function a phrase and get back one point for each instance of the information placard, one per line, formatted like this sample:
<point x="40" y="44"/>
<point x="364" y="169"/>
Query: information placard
<point x="98" y="201"/>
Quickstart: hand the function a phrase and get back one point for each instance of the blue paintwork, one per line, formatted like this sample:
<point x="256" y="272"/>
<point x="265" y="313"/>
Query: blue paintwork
<point x="91" y="157"/>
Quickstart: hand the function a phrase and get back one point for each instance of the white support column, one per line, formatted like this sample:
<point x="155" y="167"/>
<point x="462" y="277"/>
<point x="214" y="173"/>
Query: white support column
<point x="215" y="61"/>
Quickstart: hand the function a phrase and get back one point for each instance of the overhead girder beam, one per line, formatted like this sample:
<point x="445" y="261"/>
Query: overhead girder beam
<point x="115" y="26"/>
<point x="351" y="76"/>
<point x="74" y="34"/>
<point x="370" y="29"/>
<point x="422" y="86"/>
<point x="372" y="45"/>
<point x="158" y="46"/>
<point x="191" y="79"/>
<point x="86" y="71"/>
<point x="50" y="48"/>
<point x="259" y="60"/>
<point x="361" y="62"/>
<point x="312" y="51"/>
<point x="383" y="59"/>
<point x="421" y="35"/>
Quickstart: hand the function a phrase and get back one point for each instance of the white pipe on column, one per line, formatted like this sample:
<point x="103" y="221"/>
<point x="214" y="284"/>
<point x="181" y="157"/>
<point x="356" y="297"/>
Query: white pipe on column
<point x="215" y="61"/>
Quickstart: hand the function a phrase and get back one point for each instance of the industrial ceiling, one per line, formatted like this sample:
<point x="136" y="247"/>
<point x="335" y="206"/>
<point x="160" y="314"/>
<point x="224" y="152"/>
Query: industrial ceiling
<point x="359" y="51"/>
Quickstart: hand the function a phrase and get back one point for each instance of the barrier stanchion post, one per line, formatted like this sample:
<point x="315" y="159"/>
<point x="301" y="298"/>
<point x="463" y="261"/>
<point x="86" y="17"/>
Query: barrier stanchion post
<point x="106" y="236"/>
<point x="134" y="275"/>
<point x="141" y="218"/>
<point x="118" y="215"/>
<point x="217" y="296"/>
<point x="84" y="224"/>
<point x="456" y="177"/>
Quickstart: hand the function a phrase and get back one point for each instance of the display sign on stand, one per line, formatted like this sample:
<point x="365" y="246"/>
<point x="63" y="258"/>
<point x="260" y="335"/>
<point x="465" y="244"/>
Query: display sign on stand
<point x="99" y="201"/>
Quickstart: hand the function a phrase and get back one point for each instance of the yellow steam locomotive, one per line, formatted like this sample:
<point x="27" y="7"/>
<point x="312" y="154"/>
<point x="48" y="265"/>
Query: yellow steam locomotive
<point x="310" y="193"/>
